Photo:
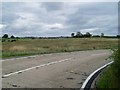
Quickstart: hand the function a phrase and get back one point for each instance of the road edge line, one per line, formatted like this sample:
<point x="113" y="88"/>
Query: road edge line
<point x="92" y="74"/>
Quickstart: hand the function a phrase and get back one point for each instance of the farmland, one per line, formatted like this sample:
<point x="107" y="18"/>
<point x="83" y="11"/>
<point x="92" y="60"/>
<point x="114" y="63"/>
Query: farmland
<point x="25" y="47"/>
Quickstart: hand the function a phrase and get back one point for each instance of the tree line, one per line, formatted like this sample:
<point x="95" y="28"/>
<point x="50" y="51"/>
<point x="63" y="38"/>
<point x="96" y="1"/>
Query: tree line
<point x="6" y="36"/>
<point x="73" y="35"/>
<point x="87" y="34"/>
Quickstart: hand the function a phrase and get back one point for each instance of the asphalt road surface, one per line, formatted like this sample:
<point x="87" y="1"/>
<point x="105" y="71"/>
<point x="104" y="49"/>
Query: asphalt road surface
<point x="57" y="70"/>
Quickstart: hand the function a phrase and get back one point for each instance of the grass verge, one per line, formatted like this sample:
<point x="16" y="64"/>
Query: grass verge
<point x="107" y="80"/>
<point x="111" y="77"/>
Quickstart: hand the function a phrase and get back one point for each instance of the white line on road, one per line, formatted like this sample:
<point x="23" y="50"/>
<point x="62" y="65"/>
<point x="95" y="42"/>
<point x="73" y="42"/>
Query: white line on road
<point x="42" y="65"/>
<point x="90" y="76"/>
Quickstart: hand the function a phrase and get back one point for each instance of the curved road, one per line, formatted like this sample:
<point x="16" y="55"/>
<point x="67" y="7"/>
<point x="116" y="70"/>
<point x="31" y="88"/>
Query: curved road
<point x="58" y="70"/>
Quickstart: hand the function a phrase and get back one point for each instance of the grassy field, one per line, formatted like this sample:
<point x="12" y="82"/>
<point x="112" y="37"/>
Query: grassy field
<point x="108" y="80"/>
<point x="111" y="77"/>
<point x="23" y="47"/>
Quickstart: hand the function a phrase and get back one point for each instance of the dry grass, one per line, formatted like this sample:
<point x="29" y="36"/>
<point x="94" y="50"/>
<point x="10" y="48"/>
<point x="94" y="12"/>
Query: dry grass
<point x="38" y="46"/>
<point x="18" y="48"/>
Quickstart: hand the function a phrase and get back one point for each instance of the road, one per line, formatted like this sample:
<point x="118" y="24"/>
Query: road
<point x="57" y="70"/>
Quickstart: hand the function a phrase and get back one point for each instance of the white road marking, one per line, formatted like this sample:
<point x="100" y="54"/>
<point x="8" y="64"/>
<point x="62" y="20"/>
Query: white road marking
<point x="90" y="76"/>
<point x="42" y="65"/>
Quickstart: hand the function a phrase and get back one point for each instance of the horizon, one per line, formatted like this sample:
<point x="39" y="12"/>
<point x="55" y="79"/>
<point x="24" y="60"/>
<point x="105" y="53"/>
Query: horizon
<point x="55" y="36"/>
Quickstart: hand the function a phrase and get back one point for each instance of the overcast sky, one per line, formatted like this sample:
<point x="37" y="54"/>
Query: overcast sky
<point x="59" y="18"/>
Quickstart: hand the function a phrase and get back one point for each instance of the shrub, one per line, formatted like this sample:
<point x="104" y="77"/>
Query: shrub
<point x="116" y="64"/>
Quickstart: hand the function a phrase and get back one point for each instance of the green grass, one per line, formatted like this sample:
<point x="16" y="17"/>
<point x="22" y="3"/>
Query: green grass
<point x="23" y="47"/>
<point x="111" y="77"/>
<point x="108" y="80"/>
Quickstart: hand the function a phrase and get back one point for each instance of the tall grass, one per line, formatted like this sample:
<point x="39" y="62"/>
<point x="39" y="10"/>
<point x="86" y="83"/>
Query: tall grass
<point x="111" y="77"/>
<point x="116" y="64"/>
<point x="23" y="47"/>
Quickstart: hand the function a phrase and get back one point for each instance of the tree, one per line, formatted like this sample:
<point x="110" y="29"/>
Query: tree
<point x="88" y="34"/>
<point x="12" y="36"/>
<point x="79" y="34"/>
<point x="72" y="34"/>
<point x="102" y="34"/>
<point x="118" y="36"/>
<point x="5" y="36"/>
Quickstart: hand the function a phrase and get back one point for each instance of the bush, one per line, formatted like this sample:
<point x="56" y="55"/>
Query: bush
<point x="13" y="40"/>
<point x="111" y="77"/>
<point x="116" y="64"/>
<point x="3" y="40"/>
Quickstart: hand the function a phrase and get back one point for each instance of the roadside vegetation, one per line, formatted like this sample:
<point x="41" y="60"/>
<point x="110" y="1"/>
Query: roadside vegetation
<point x="111" y="77"/>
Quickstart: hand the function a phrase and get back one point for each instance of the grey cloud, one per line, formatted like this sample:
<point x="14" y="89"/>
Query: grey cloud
<point x="8" y="18"/>
<point x="52" y="6"/>
<point x="106" y="8"/>
<point x="37" y="18"/>
<point x="95" y="15"/>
